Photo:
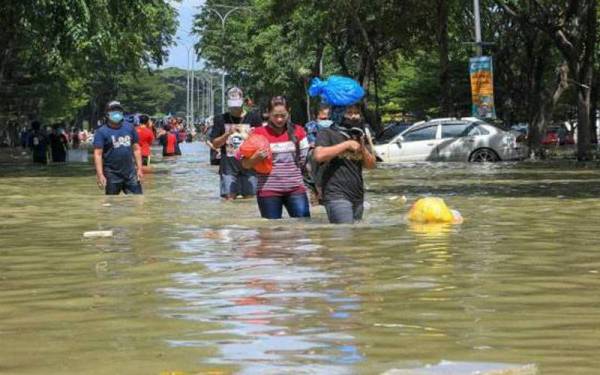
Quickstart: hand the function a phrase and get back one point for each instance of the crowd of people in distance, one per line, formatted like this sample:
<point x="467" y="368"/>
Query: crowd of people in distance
<point x="290" y="166"/>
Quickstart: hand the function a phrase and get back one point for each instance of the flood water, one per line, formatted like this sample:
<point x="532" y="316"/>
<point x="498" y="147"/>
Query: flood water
<point x="192" y="285"/>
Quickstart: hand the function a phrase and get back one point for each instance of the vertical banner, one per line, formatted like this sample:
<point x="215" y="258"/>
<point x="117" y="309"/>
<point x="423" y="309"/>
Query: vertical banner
<point x="482" y="87"/>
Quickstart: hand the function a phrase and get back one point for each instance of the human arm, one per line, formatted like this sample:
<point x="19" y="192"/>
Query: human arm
<point x="219" y="141"/>
<point x="137" y="153"/>
<point x="218" y="136"/>
<point x="323" y="154"/>
<point x="258" y="156"/>
<point x="98" y="158"/>
<point x="98" y="162"/>
<point x="368" y="159"/>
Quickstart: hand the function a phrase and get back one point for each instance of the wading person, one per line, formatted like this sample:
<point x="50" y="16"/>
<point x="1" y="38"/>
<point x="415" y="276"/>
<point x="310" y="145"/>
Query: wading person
<point x="321" y="121"/>
<point x="117" y="154"/>
<point x="146" y="136"/>
<point x="38" y="142"/>
<point x="342" y="152"/>
<point x="59" y="144"/>
<point x="284" y="185"/>
<point x="168" y="139"/>
<point x="227" y="134"/>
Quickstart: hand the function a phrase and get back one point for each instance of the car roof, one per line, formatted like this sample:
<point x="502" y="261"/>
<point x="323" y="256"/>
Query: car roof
<point x="436" y="121"/>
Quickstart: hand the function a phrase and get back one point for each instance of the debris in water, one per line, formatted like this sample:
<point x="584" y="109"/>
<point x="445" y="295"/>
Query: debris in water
<point x="106" y="205"/>
<point x="98" y="234"/>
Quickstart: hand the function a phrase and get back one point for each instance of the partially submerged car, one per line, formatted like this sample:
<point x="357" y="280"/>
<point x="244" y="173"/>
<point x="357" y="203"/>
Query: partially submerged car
<point x="451" y="139"/>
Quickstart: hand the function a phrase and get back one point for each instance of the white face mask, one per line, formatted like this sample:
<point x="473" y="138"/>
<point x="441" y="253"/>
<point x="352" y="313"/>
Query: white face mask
<point x="325" y="123"/>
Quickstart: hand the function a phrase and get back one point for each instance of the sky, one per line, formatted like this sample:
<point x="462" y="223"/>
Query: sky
<point x="178" y="53"/>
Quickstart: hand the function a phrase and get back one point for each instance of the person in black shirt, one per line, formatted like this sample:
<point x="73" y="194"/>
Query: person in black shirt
<point x="228" y="132"/>
<point x="58" y="144"/>
<point x="38" y="142"/>
<point x="342" y="152"/>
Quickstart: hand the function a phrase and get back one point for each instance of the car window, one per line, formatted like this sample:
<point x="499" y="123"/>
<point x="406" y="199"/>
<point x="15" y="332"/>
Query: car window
<point x="423" y="134"/>
<point x="390" y="133"/>
<point x="454" y="129"/>
<point x="477" y="130"/>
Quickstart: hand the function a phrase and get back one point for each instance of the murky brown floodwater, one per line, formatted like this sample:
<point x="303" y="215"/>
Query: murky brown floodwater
<point x="194" y="285"/>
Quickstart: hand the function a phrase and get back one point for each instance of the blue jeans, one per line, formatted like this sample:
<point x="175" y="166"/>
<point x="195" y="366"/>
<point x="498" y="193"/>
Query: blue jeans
<point x="243" y="183"/>
<point x="272" y="207"/>
<point x="341" y="211"/>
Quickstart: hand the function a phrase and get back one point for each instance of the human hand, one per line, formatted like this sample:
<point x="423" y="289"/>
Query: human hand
<point x="140" y="174"/>
<point x="260" y="155"/>
<point x="232" y="130"/>
<point x="352" y="145"/>
<point x="101" y="180"/>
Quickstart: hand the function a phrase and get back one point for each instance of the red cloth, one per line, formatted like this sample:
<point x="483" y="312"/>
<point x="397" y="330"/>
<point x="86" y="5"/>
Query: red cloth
<point x="171" y="143"/>
<point x="251" y="145"/>
<point x="146" y="138"/>
<point x="286" y="177"/>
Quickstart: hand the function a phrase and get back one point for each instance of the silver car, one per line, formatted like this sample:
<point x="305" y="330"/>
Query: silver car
<point x="450" y="139"/>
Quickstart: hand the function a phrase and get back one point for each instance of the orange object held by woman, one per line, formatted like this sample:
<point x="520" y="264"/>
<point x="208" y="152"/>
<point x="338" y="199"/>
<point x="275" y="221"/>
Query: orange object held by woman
<point x="253" y="144"/>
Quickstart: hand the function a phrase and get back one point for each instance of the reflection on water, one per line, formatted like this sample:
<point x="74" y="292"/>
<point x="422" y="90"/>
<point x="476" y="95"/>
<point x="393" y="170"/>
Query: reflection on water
<point x="258" y="288"/>
<point x="192" y="285"/>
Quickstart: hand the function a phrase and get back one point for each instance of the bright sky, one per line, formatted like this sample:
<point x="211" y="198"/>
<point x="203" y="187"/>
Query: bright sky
<point x="178" y="54"/>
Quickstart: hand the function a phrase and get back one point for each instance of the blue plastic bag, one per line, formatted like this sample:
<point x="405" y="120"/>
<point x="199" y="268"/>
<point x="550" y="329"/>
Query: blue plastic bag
<point x="337" y="90"/>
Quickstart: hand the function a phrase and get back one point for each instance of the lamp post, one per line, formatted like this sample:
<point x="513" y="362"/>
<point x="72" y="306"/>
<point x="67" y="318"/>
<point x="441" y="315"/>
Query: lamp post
<point x="189" y="106"/>
<point x="478" y="41"/>
<point x="223" y="17"/>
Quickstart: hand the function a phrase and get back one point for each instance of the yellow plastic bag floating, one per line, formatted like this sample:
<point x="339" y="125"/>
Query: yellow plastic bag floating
<point x="433" y="211"/>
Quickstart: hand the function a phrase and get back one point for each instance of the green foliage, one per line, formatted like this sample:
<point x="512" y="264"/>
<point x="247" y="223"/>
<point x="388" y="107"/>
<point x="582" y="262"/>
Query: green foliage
<point x="155" y="92"/>
<point x="62" y="58"/>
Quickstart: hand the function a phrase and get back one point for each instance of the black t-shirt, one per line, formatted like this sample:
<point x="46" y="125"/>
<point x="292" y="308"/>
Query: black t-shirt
<point x="342" y="176"/>
<point x="117" y="155"/>
<point x="229" y="164"/>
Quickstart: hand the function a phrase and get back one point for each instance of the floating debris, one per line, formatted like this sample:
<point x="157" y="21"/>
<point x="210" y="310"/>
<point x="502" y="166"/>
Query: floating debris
<point x="98" y="234"/>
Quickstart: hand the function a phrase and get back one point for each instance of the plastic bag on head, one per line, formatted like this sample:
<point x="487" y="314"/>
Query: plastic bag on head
<point x="251" y="145"/>
<point x="337" y="90"/>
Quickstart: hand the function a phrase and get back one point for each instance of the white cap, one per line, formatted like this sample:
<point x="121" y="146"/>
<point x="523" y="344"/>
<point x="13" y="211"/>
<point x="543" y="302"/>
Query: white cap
<point x="235" y="97"/>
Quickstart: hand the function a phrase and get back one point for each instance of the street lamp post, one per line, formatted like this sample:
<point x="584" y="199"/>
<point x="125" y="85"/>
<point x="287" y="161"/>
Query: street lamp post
<point x="478" y="41"/>
<point x="189" y="106"/>
<point x="223" y="18"/>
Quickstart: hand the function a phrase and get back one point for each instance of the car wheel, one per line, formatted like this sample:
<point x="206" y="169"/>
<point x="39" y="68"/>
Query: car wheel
<point x="484" y="155"/>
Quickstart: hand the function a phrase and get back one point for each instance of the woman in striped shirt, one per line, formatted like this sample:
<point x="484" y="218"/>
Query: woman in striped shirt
<point x="284" y="186"/>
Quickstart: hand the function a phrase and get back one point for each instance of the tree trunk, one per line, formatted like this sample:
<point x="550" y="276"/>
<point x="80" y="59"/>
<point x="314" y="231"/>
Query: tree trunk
<point x="594" y="108"/>
<point x="583" y="117"/>
<point x="318" y="58"/>
<point x="444" y="60"/>
<point x="584" y="77"/>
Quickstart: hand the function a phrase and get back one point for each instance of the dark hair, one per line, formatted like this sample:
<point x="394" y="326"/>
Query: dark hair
<point x="291" y="129"/>
<point x="277" y="101"/>
<point x="322" y="107"/>
<point x="144" y="119"/>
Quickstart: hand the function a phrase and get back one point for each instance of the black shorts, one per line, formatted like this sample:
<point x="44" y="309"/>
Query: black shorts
<point x="145" y="160"/>
<point x="130" y="186"/>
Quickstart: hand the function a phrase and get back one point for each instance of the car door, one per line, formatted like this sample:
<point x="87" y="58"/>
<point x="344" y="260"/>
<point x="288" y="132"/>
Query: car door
<point x="476" y="136"/>
<point x="453" y="145"/>
<point x="418" y="144"/>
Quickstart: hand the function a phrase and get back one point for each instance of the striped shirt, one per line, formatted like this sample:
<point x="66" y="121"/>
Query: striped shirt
<point x="286" y="177"/>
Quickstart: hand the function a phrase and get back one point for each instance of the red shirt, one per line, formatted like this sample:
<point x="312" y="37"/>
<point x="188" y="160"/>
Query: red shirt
<point x="146" y="138"/>
<point x="286" y="177"/>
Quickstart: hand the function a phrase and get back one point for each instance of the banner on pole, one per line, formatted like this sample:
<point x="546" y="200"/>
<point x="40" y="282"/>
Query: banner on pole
<point x="482" y="87"/>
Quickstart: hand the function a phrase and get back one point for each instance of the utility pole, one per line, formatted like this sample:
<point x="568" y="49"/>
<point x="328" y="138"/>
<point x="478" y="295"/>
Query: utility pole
<point x="478" y="41"/>
<point x="187" y="88"/>
<point x="223" y="17"/>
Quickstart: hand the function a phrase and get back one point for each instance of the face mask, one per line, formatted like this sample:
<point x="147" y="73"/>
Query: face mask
<point x="325" y="123"/>
<point x="115" y="117"/>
